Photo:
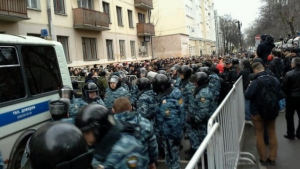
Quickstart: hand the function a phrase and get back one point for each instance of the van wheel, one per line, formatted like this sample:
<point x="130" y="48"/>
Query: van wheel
<point x="16" y="160"/>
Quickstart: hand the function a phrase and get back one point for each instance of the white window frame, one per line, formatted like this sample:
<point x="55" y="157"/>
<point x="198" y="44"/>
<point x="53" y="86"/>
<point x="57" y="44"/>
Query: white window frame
<point x="62" y="3"/>
<point x="64" y="40"/>
<point x="29" y="4"/>
<point x="122" y="49"/>
<point x="132" y="49"/>
<point x="86" y="5"/>
<point x="92" y="44"/>
<point x="119" y="16"/>
<point x="130" y="18"/>
<point x="112" y="50"/>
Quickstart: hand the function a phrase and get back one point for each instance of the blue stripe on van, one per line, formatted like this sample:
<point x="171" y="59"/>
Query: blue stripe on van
<point x="23" y="113"/>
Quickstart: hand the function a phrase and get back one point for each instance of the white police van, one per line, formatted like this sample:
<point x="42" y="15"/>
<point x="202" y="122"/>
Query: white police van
<point x="31" y="72"/>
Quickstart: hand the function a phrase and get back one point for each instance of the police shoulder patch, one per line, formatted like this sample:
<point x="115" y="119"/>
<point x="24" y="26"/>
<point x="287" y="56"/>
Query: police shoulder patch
<point x="132" y="162"/>
<point x="180" y="101"/>
<point x="202" y="99"/>
<point x="167" y="112"/>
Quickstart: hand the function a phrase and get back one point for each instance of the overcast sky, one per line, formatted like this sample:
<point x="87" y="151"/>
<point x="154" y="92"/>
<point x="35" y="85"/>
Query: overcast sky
<point x="244" y="10"/>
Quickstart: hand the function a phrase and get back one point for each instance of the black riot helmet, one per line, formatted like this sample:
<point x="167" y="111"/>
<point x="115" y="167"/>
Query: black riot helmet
<point x="66" y="92"/>
<point x="96" y="118"/>
<point x="90" y="87"/>
<point x="235" y="61"/>
<point x="143" y="83"/>
<point x="58" y="145"/>
<point x="160" y="83"/>
<point x="204" y="69"/>
<point x="186" y="71"/>
<point x="59" y="108"/>
<point x="142" y="72"/>
<point x="200" y="78"/>
<point x="162" y="72"/>
<point x="195" y="67"/>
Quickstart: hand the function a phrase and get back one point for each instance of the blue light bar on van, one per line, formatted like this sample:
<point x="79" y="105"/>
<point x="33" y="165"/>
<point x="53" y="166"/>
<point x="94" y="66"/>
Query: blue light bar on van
<point x="23" y="113"/>
<point x="44" y="33"/>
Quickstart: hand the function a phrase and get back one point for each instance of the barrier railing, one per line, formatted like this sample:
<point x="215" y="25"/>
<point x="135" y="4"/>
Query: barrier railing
<point x="223" y="148"/>
<point x="201" y="150"/>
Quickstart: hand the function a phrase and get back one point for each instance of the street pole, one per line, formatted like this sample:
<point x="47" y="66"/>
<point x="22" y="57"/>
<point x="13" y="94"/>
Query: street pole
<point x="239" y="26"/>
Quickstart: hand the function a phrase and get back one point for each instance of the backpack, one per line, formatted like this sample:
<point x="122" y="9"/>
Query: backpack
<point x="268" y="104"/>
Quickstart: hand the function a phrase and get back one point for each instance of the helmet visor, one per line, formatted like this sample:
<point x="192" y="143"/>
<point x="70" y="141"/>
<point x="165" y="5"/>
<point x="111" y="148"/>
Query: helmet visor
<point x="66" y="93"/>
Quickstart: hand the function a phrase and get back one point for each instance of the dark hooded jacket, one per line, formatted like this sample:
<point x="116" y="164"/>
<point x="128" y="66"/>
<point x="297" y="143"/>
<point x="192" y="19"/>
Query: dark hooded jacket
<point x="264" y="49"/>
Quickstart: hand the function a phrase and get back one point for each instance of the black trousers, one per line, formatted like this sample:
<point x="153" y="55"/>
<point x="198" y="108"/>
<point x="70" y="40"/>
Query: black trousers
<point x="292" y="105"/>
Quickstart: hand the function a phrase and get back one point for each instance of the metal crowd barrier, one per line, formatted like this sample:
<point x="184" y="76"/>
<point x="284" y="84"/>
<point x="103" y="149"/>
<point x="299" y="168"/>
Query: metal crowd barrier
<point x="223" y="143"/>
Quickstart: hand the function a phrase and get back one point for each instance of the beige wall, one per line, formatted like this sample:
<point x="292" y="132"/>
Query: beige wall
<point x="169" y="17"/>
<point x="170" y="46"/>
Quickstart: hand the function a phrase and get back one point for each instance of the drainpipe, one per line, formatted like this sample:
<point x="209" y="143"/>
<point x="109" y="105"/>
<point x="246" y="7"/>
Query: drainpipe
<point x="50" y="19"/>
<point x="149" y="18"/>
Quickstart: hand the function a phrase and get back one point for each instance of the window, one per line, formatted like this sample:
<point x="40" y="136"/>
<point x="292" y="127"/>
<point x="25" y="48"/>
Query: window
<point x="89" y="4"/>
<point x="33" y="4"/>
<point x="109" y="48"/>
<point x="64" y="41"/>
<point x="41" y="68"/>
<point x="119" y="15"/>
<point x="122" y="49"/>
<point x="106" y="9"/>
<point x="130" y="19"/>
<point x="141" y="18"/>
<point x="59" y="6"/>
<point x="11" y="81"/>
<point x="132" y="49"/>
<point x="144" y="49"/>
<point x="89" y="48"/>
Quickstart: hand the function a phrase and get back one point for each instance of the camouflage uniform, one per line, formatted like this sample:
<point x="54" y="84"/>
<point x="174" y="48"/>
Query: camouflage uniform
<point x="215" y="88"/>
<point x="118" y="150"/>
<point x="176" y="82"/>
<point x="102" y="85"/>
<point x="169" y="122"/>
<point x="70" y="120"/>
<point x="200" y="112"/>
<point x="75" y="106"/>
<point x="145" y="133"/>
<point x="134" y="93"/>
<point x="187" y="90"/>
<point x="112" y="95"/>
<point x="146" y="103"/>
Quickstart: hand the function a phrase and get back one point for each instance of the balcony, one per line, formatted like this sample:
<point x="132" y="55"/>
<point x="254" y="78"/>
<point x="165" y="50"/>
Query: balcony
<point x="13" y="10"/>
<point x="145" y="29"/>
<point x="88" y="19"/>
<point x="144" y="4"/>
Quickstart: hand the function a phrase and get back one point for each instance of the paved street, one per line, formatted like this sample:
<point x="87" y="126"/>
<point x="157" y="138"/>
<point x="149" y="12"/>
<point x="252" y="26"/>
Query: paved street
<point x="288" y="150"/>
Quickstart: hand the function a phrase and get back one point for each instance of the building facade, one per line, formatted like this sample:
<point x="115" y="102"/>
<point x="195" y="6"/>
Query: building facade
<point x="91" y="31"/>
<point x="219" y="35"/>
<point x="183" y="28"/>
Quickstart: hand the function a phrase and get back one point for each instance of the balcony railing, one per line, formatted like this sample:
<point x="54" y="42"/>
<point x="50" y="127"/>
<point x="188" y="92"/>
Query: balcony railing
<point x="144" y="4"/>
<point x="145" y="29"/>
<point x="13" y="10"/>
<point x="90" y="19"/>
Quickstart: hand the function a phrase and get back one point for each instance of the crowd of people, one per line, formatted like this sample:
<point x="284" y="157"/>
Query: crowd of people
<point x="128" y="115"/>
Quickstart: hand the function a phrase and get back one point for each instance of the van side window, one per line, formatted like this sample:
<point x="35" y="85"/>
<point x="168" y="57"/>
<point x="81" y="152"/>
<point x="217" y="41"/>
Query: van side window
<point x="11" y="81"/>
<point x="41" y="67"/>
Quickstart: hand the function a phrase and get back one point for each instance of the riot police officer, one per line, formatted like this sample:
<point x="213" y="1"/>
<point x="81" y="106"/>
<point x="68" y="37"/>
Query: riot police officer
<point x="75" y="104"/>
<point x="47" y="148"/>
<point x="114" y="91"/>
<point x="59" y="110"/>
<point x="187" y="89"/>
<point x="90" y="94"/>
<point x="199" y="113"/>
<point x="112" y="147"/>
<point x="169" y="119"/>
<point x="145" y="103"/>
